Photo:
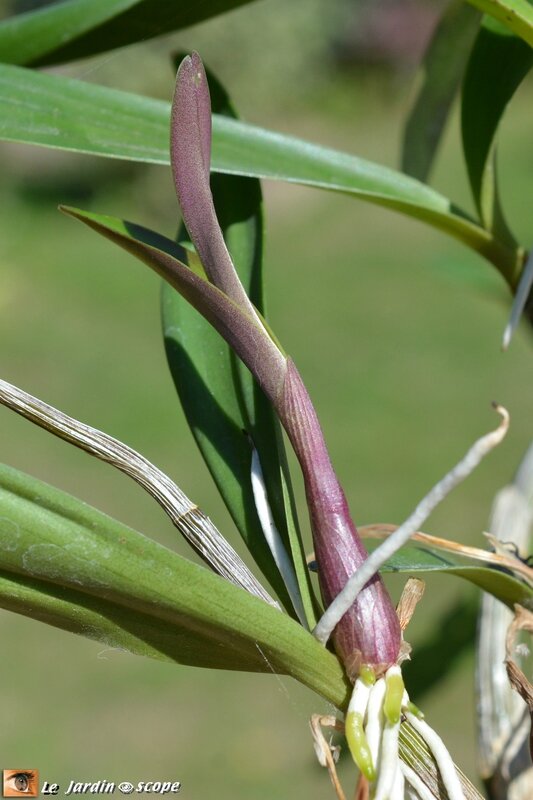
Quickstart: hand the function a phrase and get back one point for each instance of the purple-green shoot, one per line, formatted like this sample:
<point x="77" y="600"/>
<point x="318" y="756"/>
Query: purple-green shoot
<point x="369" y="633"/>
<point x="366" y="633"/>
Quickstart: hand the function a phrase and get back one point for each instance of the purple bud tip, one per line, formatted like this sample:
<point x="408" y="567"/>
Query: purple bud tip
<point x="190" y="156"/>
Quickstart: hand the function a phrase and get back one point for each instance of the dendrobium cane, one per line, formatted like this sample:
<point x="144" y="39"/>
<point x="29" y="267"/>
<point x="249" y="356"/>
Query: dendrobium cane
<point x="366" y="634"/>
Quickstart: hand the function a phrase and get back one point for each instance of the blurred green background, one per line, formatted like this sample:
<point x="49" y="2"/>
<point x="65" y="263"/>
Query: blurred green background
<point x="395" y="328"/>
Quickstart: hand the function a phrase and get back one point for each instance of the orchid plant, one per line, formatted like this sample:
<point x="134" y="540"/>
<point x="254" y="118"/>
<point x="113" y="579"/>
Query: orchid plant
<point x="74" y="568"/>
<point x="367" y="634"/>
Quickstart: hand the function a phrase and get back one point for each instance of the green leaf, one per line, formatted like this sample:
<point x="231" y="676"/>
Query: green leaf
<point x="220" y="398"/>
<point x="58" y="112"/>
<point x="516" y="15"/>
<point x="67" y="564"/>
<point x="104" y="621"/>
<point x="498" y="64"/>
<point x="421" y="558"/>
<point x="245" y="335"/>
<point x="74" y="29"/>
<point x="443" y="67"/>
<point x="64" y="563"/>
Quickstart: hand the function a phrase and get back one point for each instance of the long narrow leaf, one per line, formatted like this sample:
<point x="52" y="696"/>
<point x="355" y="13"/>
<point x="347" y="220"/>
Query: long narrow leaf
<point x="421" y="558"/>
<point x="57" y="112"/>
<point x="220" y="398"/>
<point x="517" y="15"/>
<point x="74" y="29"/>
<point x="58" y="554"/>
<point x="242" y="332"/>
<point x="443" y="66"/>
<point x="109" y="623"/>
<point x="68" y="565"/>
<point x="498" y="64"/>
<point x="504" y="583"/>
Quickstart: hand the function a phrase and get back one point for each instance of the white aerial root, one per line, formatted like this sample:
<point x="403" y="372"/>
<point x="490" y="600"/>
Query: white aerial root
<point x="398" y="790"/>
<point x="415" y="783"/>
<point x="372" y="730"/>
<point x="447" y="770"/>
<point x="389" y="762"/>
<point x="375" y="720"/>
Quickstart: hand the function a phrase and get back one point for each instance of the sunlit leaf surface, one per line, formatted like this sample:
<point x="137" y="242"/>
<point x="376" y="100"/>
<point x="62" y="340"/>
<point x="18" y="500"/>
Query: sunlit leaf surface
<point x="53" y="111"/>
<point x="74" y="29"/>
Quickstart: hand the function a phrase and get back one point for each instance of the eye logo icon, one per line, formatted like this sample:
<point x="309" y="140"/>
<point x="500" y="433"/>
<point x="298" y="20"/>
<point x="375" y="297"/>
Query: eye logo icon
<point x="126" y="787"/>
<point x="20" y="783"/>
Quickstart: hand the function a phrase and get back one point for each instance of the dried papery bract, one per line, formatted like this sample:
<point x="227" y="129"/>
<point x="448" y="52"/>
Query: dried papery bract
<point x="503" y="720"/>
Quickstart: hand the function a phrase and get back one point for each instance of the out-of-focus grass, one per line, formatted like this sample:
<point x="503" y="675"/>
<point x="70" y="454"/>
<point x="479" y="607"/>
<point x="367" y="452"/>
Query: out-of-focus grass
<point x="396" y="330"/>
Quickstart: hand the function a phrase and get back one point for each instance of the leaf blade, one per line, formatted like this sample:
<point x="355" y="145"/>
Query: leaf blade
<point x="498" y="64"/>
<point x="517" y="15"/>
<point x="103" y="621"/>
<point x="77" y="29"/>
<point x="442" y="76"/>
<point x="420" y="558"/>
<point x="52" y="542"/>
<point x="248" y="339"/>
<point x="46" y="110"/>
